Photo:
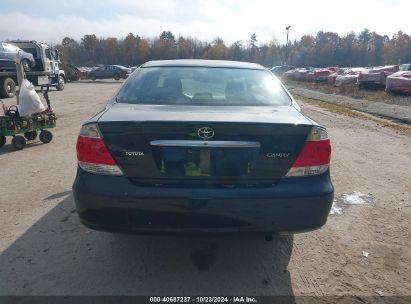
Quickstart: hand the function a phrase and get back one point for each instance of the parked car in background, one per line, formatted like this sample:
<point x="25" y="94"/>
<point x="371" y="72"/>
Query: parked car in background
<point x="203" y="146"/>
<point x="72" y="73"/>
<point x="393" y="78"/>
<point x="399" y="82"/>
<point x="84" y="72"/>
<point x="302" y="74"/>
<point x="281" y="69"/>
<point x="290" y="74"/>
<point x="109" y="71"/>
<point x="320" y="75"/>
<point x="375" y="77"/>
<point x="333" y="76"/>
<point x="9" y="52"/>
<point x="349" y="76"/>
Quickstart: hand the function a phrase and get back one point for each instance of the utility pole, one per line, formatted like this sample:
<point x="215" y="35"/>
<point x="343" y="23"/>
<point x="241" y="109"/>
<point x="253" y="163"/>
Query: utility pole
<point x="286" y="46"/>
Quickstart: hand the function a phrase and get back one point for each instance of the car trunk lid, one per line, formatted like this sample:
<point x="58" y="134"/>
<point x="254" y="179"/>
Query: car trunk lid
<point x="165" y="144"/>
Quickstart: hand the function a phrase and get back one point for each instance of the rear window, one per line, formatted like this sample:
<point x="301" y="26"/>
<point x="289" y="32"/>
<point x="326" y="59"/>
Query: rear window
<point x="203" y="86"/>
<point x="405" y="67"/>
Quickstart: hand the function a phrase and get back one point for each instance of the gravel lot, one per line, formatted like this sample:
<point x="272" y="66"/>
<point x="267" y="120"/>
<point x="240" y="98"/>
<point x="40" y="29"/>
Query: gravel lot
<point x="45" y="251"/>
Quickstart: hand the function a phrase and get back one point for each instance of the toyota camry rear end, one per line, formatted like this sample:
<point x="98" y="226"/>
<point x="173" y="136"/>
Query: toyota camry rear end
<point x="203" y="146"/>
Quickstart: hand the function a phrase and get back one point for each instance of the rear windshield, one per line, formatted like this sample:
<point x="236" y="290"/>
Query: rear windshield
<point x="405" y="67"/>
<point x="203" y="86"/>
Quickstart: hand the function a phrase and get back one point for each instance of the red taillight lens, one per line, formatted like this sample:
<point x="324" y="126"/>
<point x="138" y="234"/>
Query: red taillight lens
<point x="315" y="157"/>
<point x="314" y="153"/>
<point x="93" y="151"/>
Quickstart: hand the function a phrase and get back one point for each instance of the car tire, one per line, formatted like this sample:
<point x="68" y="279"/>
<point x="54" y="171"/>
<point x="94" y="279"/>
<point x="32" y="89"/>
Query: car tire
<point x="93" y="77"/>
<point x="18" y="142"/>
<point x="45" y="136"/>
<point x="60" y="85"/>
<point x="8" y="88"/>
<point x="117" y="76"/>
<point x="2" y="140"/>
<point x="30" y="135"/>
<point x="26" y="65"/>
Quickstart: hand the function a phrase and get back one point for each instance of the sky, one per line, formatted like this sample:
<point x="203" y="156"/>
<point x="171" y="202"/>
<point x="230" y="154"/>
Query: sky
<point x="52" y="20"/>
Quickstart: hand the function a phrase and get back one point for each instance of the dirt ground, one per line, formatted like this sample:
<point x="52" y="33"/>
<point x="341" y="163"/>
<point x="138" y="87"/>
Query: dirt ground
<point x="44" y="250"/>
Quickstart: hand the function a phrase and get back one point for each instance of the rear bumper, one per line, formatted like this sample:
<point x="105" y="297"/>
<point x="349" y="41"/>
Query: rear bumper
<point x="112" y="203"/>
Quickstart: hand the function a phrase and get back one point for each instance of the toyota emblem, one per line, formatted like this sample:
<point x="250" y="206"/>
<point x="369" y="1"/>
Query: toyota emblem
<point x="205" y="133"/>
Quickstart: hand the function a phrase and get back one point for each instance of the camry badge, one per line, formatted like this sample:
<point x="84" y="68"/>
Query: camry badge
<point x="205" y="133"/>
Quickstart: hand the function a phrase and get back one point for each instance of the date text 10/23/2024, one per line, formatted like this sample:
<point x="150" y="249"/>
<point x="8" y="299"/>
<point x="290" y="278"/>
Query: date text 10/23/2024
<point x="205" y="299"/>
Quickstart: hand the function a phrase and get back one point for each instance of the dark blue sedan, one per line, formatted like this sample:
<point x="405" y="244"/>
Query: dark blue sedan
<point x="203" y="146"/>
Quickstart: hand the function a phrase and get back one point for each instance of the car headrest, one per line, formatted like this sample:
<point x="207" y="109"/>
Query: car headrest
<point x="234" y="89"/>
<point x="173" y="83"/>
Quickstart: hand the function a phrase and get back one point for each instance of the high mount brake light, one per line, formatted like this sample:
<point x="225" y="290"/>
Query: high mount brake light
<point x="92" y="153"/>
<point x="314" y="158"/>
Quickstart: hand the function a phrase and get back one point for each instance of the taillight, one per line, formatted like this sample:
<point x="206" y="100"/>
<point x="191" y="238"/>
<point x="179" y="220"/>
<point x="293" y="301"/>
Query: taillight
<point x="314" y="159"/>
<point x="92" y="153"/>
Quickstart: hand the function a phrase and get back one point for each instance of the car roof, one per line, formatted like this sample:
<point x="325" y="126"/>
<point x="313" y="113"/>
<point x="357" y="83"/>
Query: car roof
<point x="11" y="44"/>
<point x="203" y="63"/>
